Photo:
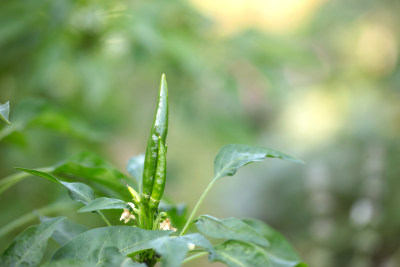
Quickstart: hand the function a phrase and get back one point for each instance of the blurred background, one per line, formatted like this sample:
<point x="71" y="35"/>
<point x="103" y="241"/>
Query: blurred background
<point x="316" y="79"/>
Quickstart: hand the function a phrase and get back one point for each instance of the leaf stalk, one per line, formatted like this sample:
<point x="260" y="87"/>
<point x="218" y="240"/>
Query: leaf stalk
<point x="196" y="207"/>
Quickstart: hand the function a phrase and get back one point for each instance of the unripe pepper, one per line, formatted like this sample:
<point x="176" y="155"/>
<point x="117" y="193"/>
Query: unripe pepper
<point x="159" y="129"/>
<point x="134" y="194"/>
<point x="160" y="175"/>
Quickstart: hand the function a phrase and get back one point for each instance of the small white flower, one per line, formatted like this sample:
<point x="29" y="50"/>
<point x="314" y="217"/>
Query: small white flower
<point x="126" y="216"/>
<point x="166" y="225"/>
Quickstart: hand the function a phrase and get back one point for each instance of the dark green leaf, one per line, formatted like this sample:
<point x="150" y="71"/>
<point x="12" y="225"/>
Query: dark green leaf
<point x="68" y="263"/>
<point x="135" y="168"/>
<point x="104" y="203"/>
<point x="77" y="191"/>
<point x="113" y="258"/>
<point x="95" y="171"/>
<point x="129" y="263"/>
<point x="231" y="157"/>
<point x="173" y="249"/>
<point x="87" y="246"/>
<point x="66" y="230"/>
<point x="28" y="248"/>
<point x="241" y="254"/>
<point x="4" y="112"/>
<point x="229" y="228"/>
<point x="278" y="254"/>
<point x="280" y="248"/>
<point x="42" y="174"/>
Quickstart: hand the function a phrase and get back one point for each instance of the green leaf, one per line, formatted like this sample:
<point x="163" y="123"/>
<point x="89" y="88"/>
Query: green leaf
<point x="104" y="203"/>
<point x="135" y="168"/>
<point x="66" y="230"/>
<point x="229" y="228"/>
<point x="231" y="157"/>
<point x="240" y="254"/>
<point x="173" y="249"/>
<point x="28" y="248"/>
<point x="87" y="246"/>
<point x="113" y="258"/>
<point x="42" y="174"/>
<point x="5" y="111"/>
<point x="95" y="171"/>
<point x="243" y="254"/>
<point x="280" y="248"/>
<point x="77" y="191"/>
<point x="92" y="170"/>
<point x="69" y="263"/>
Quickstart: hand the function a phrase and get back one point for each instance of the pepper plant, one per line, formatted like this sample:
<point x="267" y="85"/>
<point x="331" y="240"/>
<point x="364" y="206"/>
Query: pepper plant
<point x="155" y="229"/>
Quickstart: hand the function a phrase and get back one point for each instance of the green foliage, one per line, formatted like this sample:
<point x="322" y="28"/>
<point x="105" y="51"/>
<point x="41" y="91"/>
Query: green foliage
<point x="85" y="166"/>
<point x="174" y="249"/>
<point x="66" y="230"/>
<point x="231" y="157"/>
<point x="95" y="61"/>
<point x="229" y="228"/>
<point x="95" y="171"/>
<point x="249" y="243"/>
<point x="104" y="203"/>
<point x="152" y="238"/>
<point x="63" y="263"/>
<point x="279" y="248"/>
<point x="240" y="254"/>
<point x="89" y="246"/>
<point x="28" y="248"/>
<point x="77" y="191"/>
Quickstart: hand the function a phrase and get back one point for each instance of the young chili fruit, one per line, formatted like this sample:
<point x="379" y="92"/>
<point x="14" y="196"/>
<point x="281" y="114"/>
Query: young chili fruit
<point x="159" y="180"/>
<point x="159" y="129"/>
<point x="134" y="194"/>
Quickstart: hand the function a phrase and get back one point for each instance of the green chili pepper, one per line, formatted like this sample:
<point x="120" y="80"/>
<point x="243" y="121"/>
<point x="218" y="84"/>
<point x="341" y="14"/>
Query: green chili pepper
<point x="159" y="129"/>
<point x="159" y="180"/>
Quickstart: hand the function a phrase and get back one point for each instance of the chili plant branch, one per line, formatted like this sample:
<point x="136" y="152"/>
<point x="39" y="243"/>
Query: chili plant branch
<point x="189" y="222"/>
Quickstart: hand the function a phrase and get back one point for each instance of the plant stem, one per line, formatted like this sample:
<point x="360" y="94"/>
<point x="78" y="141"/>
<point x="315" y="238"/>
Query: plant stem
<point x="196" y="207"/>
<point x="104" y="218"/>
<point x="33" y="215"/>
<point x="195" y="256"/>
<point x="12" y="179"/>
